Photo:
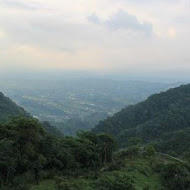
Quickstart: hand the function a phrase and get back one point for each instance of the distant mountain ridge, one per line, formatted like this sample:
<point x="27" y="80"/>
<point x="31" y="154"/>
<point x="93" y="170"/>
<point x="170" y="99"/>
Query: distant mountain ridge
<point x="161" y="116"/>
<point x="9" y="108"/>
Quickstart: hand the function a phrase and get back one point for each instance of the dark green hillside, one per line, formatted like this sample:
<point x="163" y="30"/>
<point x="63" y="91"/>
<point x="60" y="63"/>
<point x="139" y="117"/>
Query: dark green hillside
<point x="161" y="115"/>
<point x="71" y="126"/>
<point x="51" y="129"/>
<point x="31" y="159"/>
<point x="9" y="108"/>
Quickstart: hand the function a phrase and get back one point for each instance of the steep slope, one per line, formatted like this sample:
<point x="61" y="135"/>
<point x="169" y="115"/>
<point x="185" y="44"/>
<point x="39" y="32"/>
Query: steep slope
<point x="71" y="126"/>
<point x="152" y="120"/>
<point x="9" y="108"/>
<point x="51" y="129"/>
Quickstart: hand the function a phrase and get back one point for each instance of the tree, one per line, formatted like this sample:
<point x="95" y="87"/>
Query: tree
<point x="149" y="150"/>
<point x="176" y="176"/>
<point x="22" y="136"/>
<point x="8" y="161"/>
<point x="107" y="145"/>
<point x="134" y="147"/>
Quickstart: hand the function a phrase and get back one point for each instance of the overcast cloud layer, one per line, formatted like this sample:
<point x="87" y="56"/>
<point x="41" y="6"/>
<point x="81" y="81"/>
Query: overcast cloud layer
<point x="96" y="35"/>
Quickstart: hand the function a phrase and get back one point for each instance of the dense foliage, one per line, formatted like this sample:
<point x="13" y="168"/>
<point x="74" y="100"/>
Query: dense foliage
<point x="176" y="176"/>
<point x="115" y="181"/>
<point x="29" y="155"/>
<point x="9" y="108"/>
<point x="51" y="129"/>
<point x="27" y="150"/>
<point x="163" y="118"/>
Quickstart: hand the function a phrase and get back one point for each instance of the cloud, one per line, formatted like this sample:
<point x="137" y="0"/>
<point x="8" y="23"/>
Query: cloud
<point x="2" y="34"/>
<point x="172" y="32"/>
<point x="149" y="1"/>
<point x="94" y="19"/>
<point x="123" y="20"/>
<point x="185" y="19"/>
<point x="21" y="5"/>
<point x="62" y="34"/>
<point x="53" y="33"/>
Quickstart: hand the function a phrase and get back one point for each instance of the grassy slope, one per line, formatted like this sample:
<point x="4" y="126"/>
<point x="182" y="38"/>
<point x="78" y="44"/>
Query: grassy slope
<point x="45" y="185"/>
<point x="142" y="171"/>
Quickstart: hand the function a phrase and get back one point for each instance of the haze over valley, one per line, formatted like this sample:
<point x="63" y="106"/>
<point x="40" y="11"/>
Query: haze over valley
<point x="79" y="102"/>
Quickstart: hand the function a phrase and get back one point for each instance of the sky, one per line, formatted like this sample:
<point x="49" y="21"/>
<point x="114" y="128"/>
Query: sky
<point x="102" y="36"/>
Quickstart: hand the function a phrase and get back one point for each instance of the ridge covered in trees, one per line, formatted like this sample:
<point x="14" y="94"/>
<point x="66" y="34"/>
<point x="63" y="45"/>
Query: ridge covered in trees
<point x="163" y="119"/>
<point x="9" y="108"/>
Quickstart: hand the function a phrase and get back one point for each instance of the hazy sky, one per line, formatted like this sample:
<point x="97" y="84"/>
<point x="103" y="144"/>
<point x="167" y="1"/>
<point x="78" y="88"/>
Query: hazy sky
<point x="97" y="35"/>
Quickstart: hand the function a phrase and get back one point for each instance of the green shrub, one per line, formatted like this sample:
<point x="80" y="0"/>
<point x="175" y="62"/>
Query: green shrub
<point x="176" y="176"/>
<point x="72" y="184"/>
<point x="115" y="181"/>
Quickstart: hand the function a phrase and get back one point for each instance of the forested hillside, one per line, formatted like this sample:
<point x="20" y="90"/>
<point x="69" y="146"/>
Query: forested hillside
<point x="161" y="119"/>
<point x="34" y="159"/>
<point x="71" y="126"/>
<point x="9" y="108"/>
<point x="31" y="159"/>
